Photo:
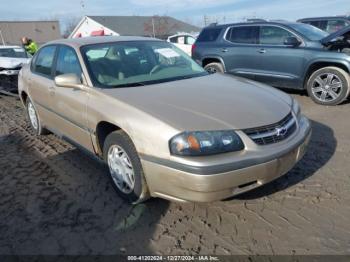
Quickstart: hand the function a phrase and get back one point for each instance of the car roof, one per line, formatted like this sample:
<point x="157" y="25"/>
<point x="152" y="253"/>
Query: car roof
<point x="325" y="18"/>
<point x="78" y="42"/>
<point x="275" y="22"/>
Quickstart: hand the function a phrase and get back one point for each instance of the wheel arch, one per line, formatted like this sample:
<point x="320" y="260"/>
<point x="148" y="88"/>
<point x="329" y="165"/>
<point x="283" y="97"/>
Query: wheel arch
<point x="213" y="59"/>
<point x="24" y="97"/>
<point x="103" y="129"/>
<point x="316" y="65"/>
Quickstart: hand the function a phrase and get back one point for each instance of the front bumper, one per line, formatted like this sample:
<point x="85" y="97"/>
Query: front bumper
<point x="180" y="184"/>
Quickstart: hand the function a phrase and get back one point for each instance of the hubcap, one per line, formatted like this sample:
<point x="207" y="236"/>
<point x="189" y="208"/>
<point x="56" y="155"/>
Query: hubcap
<point x="121" y="169"/>
<point x="32" y="116"/>
<point x="327" y="87"/>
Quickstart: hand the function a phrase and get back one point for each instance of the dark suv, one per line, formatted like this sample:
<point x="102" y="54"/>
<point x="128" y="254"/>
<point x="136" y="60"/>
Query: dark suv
<point x="329" y="24"/>
<point x="281" y="54"/>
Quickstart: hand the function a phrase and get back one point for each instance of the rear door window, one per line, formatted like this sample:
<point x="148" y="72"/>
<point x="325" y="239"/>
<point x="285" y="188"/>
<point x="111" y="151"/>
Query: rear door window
<point x="243" y="34"/>
<point x="209" y="35"/>
<point x="173" y="39"/>
<point x="273" y="35"/>
<point x="44" y="61"/>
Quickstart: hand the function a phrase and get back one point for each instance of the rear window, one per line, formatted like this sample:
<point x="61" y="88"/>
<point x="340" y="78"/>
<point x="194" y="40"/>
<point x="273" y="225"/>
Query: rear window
<point x="243" y="34"/>
<point x="209" y="35"/>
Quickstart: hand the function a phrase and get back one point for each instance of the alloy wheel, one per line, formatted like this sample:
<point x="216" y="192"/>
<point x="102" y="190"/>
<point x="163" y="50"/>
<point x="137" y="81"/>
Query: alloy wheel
<point x="327" y="87"/>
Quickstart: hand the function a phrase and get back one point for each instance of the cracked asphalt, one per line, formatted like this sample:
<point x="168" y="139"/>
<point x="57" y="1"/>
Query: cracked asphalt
<point x="54" y="199"/>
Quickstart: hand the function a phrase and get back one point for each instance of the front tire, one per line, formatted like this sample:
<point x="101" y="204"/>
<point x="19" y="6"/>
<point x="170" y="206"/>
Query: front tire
<point x="329" y="86"/>
<point x="213" y="68"/>
<point x="125" y="167"/>
<point x="34" y="119"/>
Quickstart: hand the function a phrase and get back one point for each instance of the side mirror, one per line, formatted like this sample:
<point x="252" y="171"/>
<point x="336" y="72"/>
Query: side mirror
<point x="68" y="81"/>
<point x="292" y="41"/>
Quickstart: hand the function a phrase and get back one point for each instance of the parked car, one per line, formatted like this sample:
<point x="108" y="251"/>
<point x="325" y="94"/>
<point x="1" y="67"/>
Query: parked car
<point x="281" y="54"/>
<point x="11" y="60"/>
<point x="164" y="126"/>
<point x="329" y="24"/>
<point x="183" y="41"/>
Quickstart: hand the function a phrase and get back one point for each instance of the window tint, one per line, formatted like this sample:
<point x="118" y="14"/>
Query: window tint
<point x="335" y="25"/>
<point x="273" y="35"/>
<point x="67" y="62"/>
<point x="173" y="39"/>
<point x="209" y="35"/>
<point x="244" y="34"/>
<point x="44" y="60"/>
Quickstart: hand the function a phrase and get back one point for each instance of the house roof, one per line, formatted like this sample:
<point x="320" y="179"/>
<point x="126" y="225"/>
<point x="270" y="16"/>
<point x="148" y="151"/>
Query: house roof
<point x="143" y="26"/>
<point x="40" y="31"/>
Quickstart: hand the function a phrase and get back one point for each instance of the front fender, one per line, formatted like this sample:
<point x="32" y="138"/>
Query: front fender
<point x="331" y="61"/>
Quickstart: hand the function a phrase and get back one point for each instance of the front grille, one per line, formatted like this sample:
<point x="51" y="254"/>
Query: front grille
<point x="274" y="133"/>
<point x="9" y="83"/>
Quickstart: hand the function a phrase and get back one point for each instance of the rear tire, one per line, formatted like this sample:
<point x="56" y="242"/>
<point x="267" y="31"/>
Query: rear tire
<point x="213" y="68"/>
<point x="329" y="86"/>
<point x="125" y="168"/>
<point x="34" y="119"/>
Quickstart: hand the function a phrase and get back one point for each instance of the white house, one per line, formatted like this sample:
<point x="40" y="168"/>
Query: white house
<point x="153" y="26"/>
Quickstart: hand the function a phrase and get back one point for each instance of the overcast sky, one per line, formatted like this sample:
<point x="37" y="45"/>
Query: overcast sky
<point x="188" y="10"/>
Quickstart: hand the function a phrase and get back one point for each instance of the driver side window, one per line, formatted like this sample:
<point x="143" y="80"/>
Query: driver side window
<point x="273" y="35"/>
<point x="67" y="62"/>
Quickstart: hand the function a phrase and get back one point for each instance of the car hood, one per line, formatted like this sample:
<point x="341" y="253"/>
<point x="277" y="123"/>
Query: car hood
<point x="331" y="37"/>
<point x="212" y="102"/>
<point x="9" y="62"/>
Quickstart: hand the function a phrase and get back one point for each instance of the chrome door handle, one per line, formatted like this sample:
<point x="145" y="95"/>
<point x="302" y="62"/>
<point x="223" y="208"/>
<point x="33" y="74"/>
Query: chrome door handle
<point x="224" y="50"/>
<point x="262" y="51"/>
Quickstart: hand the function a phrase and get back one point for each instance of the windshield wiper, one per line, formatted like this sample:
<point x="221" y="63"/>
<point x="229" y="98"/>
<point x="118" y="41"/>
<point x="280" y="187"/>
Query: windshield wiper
<point x="130" y="84"/>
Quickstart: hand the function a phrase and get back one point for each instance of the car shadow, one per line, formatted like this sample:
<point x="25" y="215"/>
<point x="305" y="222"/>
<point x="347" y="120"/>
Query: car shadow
<point x="322" y="147"/>
<point x="56" y="200"/>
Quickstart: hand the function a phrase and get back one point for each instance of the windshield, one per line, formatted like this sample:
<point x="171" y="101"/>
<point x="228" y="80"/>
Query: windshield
<point x="134" y="63"/>
<point x="13" y="52"/>
<point x="309" y="31"/>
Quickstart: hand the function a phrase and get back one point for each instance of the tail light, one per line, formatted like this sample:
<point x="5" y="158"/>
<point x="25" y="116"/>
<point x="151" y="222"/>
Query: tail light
<point x="193" y="49"/>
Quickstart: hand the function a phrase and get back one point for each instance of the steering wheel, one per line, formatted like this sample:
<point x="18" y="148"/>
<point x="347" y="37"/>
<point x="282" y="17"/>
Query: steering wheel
<point x="156" y="68"/>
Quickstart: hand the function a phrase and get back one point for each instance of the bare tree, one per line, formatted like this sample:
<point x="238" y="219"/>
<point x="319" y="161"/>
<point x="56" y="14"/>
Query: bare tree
<point x="160" y="26"/>
<point x="69" y="25"/>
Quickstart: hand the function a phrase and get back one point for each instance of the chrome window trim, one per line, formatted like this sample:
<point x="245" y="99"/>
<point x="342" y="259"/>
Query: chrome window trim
<point x="261" y="25"/>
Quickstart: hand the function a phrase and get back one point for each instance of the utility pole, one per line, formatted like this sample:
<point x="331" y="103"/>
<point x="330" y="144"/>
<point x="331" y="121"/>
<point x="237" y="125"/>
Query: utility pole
<point x="154" y="33"/>
<point x="2" y="38"/>
<point x="206" y="20"/>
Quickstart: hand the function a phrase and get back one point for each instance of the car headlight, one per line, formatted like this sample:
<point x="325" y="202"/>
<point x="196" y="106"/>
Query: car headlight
<point x="296" y="108"/>
<point x="200" y="143"/>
